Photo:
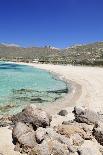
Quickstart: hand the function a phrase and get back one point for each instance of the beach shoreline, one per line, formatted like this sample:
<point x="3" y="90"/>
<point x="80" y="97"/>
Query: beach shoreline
<point x="64" y="102"/>
<point x="86" y="82"/>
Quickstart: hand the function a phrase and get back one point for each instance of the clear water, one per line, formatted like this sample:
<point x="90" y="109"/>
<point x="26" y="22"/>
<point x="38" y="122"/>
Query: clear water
<point x="21" y="85"/>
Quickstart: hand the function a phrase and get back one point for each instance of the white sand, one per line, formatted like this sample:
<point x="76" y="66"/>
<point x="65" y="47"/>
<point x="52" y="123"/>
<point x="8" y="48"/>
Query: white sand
<point x="89" y="78"/>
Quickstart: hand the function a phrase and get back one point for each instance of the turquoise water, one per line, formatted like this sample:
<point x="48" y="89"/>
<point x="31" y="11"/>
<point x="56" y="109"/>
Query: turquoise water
<point x="21" y="85"/>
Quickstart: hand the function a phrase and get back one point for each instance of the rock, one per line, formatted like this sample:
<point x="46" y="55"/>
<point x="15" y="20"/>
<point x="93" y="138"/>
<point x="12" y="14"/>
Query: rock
<point x="23" y="135"/>
<point x="71" y="129"/>
<point x="33" y="115"/>
<point x="58" y="148"/>
<point x="5" y="121"/>
<point x="40" y="134"/>
<point x="60" y="138"/>
<point x="41" y="149"/>
<point x="87" y="116"/>
<point x="50" y="147"/>
<point x="63" y="113"/>
<point x="98" y="132"/>
<point x="76" y="139"/>
<point x="89" y="148"/>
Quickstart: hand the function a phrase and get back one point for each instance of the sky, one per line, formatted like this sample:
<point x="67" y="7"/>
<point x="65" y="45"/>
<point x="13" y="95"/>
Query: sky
<point x="59" y="23"/>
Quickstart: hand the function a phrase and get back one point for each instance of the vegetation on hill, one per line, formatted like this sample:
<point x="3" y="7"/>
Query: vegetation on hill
<point x="89" y="54"/>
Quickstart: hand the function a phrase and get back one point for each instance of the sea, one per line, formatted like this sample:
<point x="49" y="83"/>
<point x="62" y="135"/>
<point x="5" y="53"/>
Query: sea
<point x="21" y="85"/>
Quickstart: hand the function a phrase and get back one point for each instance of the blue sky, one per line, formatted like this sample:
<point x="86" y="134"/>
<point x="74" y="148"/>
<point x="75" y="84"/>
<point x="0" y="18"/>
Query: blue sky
<point x="58" y="23"/>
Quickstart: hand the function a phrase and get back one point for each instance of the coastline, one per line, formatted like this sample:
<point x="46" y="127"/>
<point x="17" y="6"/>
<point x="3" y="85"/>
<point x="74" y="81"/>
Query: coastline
<point x="69" y="100"/>
<point x="87" y="82"/>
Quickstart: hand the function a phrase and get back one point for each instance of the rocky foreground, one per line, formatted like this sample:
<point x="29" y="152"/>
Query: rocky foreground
<point x="73" y="131"/>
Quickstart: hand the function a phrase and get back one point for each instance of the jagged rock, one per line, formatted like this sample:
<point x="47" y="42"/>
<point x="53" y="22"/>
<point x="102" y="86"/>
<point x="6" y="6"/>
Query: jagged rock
<point x="41" y="149"/>
<point x="63" y="113"/>
<point x="50" y="147"/>
<point x="76" y="139"/>
<point x="33" y="115"/>
<point x="98" y="132"/>
<point x="23" y="135"/>
<point x="40" y="134"/>
<point x="5" y="121"/>
<point x="87" y="116"/>
<point x="58" y="148"/>
<point x="60" y="138"/>
<point x="71" y="129"/>
<point x="89" y="148"/>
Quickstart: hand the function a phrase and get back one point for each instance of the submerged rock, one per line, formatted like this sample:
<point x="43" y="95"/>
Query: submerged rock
<point x="33" y="115"/>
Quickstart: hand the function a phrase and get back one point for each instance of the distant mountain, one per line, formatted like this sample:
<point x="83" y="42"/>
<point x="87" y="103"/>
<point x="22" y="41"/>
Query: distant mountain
<point x="89" y="54"/>
<point x="11" y="45"/>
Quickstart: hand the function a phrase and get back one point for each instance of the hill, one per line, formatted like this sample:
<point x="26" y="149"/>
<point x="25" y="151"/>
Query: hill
<point x="89" y="54"/>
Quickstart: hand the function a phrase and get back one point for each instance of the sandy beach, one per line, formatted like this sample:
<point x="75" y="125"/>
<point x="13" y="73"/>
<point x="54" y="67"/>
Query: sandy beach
<point x="87" y="83"/>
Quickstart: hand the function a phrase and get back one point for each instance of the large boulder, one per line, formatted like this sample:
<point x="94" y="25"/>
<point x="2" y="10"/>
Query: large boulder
<point x="87" y="116"/>
<point x="33" y="115"/>
<point x="23" y="135"/>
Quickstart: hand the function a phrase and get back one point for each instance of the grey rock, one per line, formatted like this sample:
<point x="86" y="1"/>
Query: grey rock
<point x="59" y="148"/>
<point x="50" y="147"/>
<point x="87" y="116"/>
<point x="63" y="113"/>
<point x="23" y="135"/>
<point x="98" y="132"/>
<point x="40" y="134"/>
<point x="33" y="115"/>
<point x="76" y="139"/>
<point x="89" y="148"/>
<point x="60" y="138"/>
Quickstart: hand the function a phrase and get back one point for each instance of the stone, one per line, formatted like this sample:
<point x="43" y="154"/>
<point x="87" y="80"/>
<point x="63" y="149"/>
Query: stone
<point x="58" y="148"/>
<point x="98" y="132"/>
<point x="71" y="129"/>
<point x="50" y="147"/>
<point x="63" y="113"/>
<point x="23" y="135"/>
<point x="89" y="148"/>
<point x="40" y="134"/>
<point x="76" y="139"/>
<point x="33" y="115"/>
<point x="51" y="134"/>
<point x="87" y="116"/>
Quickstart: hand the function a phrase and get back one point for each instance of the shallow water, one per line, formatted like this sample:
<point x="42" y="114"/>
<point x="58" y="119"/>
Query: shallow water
<point x="21" y="85"/>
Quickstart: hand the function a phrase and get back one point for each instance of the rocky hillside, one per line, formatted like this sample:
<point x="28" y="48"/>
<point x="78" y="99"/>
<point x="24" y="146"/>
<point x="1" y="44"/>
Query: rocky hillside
<point x="13" y="52"/>
<point x="89" y="54"/>
<point x="85" y="54"/>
